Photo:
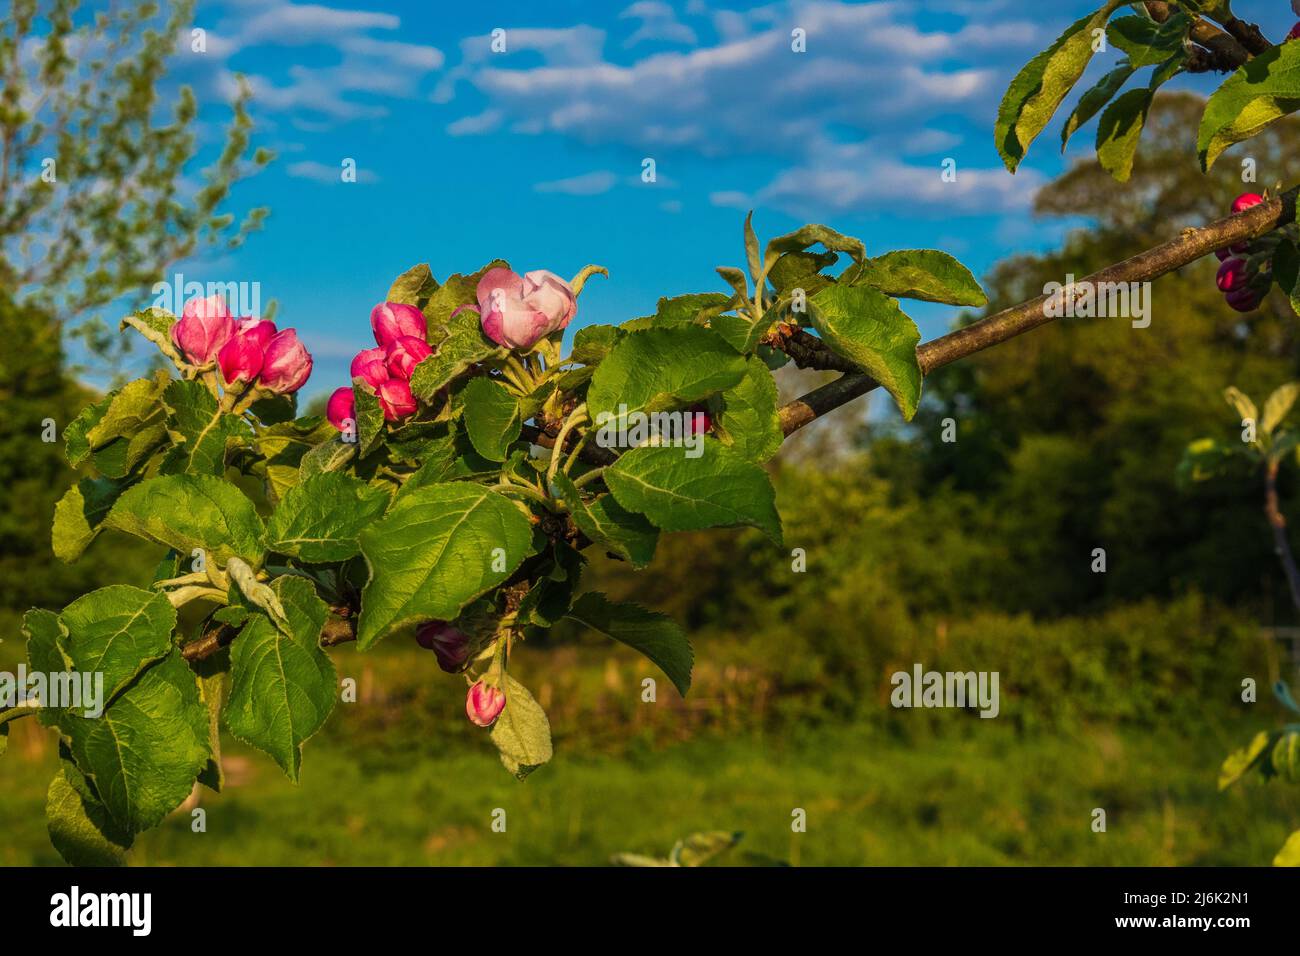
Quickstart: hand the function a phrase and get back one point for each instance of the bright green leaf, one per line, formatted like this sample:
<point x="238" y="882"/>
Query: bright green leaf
<point x="438" y="548"/>
<point x="868" y="328"/>
<point x="655" y="635"/>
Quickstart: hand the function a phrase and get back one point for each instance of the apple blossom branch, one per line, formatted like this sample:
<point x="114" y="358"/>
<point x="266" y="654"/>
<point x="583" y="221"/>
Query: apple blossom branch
<point x="808" y="351"/>
<point x="1190" y="245"/>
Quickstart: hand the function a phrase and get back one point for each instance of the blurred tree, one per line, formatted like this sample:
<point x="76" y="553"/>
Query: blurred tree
<point x="93" y="209"/>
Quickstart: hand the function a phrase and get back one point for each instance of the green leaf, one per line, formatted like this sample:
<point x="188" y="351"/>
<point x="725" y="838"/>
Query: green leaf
<point x="658" y="369"/>
<point x="1289" y="855"/>
<point x="1145" y="42"/>
<point x="869" y="329"/>
<point x="610" y="525"/>
<point x="551" y="596"/>
<point x="1286" y="271"/>
<point x="718" y="489"/>
<point x="1094" y="99"/>
<point x="801" y="270"/>
<point x="1240" y="401"/>
<point x="133" y="407"/>
<point x="1278" y="406"/>
<point x="414" y="287"/>
<point x="1204" y="459"/>
<point x="450" y="458"/>
<point x="522" y="733"/>
<point x="593" y="342"/>
<point x="285" y="446"/>
<point x="747" y="415"/>
<point x="326" y="457"/>
<point x="117" y="631"/>
<point x="811" y="235"/>
<point x="687" y="309"/>
<point x="700" y="848"/>
<point x="319" y="520"/>
<point x="493" y="418"/>
<point x="1285" y="757"/>
<point x="282" y="684"/>
<point x="1119" y="130"/>
<point x="75" y="444"/>
<point x="81" y="828"/>
<point x="1262" y="91"/>
<point x="655" y="635"/>
<point x="1239" y="762"/>
<point x="200" y="430"/>
<point x="438" y="548"/>
<point x="146" y="750"/>
<point x="186" y="512"/>
<point x="369" y="417"/>
<point x="926" y="274"/>
<point x="211" y="673"/>
<point x="155" y="325"/>
<point x="79" y="515"/>
<point x="464" y="345"/>
<point x="1038" y="89"/>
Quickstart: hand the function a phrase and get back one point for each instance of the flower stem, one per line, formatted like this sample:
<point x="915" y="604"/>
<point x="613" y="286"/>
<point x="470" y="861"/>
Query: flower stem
<point x="576" y="417"/>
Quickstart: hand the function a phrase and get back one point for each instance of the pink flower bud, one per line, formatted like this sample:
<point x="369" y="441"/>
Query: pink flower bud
<point x="204" y="327"/>
<point x="287" y="363"/>
<point x="241" y="358"/>
<point x="700" y="421"/>
<point x="404" y="354"/>
<point x="395" y="399"/>
<point x="1246" y="200"/>
<point x="484" y="703"/>
<point x="392" y="320"/>
<point x="517" y="312"/>
<point x="450" y="644"/>
<point x="1232" y="275"/>
<point x="1243" y="300"/>
<point x="371" y="367"/>
<point x="341" y="407"/>
<point x="1294" y="34"/>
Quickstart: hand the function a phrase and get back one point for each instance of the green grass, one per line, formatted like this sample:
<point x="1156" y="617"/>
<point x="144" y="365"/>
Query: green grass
<point x="990" y="797"/>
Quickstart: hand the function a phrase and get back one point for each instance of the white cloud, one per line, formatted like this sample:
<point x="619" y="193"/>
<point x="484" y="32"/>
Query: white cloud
<point x="372" y="66"/>
<point x="587" y="184"/>
<point x="658" y="22"/>
<point x="325" y="173"/>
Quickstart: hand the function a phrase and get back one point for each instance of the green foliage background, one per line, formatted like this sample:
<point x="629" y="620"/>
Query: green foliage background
<point x="1119" y="690"/>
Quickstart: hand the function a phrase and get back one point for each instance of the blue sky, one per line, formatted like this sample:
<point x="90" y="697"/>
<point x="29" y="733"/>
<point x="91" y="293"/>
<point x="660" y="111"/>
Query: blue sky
<point x="535" y="154"/>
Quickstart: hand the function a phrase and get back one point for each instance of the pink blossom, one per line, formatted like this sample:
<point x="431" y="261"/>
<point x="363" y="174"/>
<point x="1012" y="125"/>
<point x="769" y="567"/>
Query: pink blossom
<point x="484" y="703"/>
<point x="286" y="363"/>
<point x="204" y="327"/>
<point x="517" y="312"/>
<point x="392" y="320"/>
<point x="342" y="407"/>
<point x="395" y="399"/>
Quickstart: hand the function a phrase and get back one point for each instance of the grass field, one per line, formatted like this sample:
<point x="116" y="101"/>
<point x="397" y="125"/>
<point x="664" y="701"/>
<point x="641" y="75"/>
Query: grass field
<point x="992" y="797"/>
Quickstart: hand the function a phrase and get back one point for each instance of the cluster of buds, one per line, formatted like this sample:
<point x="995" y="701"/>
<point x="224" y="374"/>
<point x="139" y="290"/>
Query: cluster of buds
<point x="485" y="699"/>
<point x="401" y="334"/>
<point x="253" y="356"/>
<point x="1240" y="277"/>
